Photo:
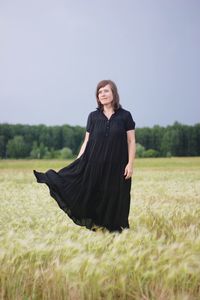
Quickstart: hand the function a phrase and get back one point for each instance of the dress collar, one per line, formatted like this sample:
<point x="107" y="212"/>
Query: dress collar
<point x="120" y="108"/>
<point x="116" y="112"/>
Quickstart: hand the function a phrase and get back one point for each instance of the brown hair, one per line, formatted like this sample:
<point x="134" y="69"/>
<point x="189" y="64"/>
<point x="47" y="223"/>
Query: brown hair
<point x="113" y="87"/>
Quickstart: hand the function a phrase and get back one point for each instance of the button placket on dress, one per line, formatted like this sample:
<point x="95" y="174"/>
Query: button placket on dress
<point x="108" y="123"/>
<point x="107" y="127"/>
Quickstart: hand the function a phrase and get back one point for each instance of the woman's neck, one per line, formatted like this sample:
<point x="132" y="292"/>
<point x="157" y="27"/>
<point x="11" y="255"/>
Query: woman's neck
<point x="108" y="108"/>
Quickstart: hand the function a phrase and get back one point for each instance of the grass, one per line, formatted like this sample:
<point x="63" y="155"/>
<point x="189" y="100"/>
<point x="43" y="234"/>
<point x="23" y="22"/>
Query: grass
<point x="44" y="255"/>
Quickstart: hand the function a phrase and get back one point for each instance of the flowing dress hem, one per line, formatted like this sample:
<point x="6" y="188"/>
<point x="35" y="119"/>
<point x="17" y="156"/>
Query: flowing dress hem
<point x="83" y="222"/>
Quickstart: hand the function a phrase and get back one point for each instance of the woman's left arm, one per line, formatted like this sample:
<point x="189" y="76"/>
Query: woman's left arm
<point x="131" y="153"/>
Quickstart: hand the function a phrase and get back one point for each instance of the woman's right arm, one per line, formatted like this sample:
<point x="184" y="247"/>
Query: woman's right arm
<point x="87" y="134"/>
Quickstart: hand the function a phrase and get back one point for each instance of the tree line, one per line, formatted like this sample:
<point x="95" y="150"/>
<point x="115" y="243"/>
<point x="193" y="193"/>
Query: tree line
<point x="41" y="141"/>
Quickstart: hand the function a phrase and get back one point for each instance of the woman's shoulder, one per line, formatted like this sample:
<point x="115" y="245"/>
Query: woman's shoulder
<point x="96" y="111"/>
<point x="93" y="114"/>
<point x="124" y="112"/>
<point x="128" y="119"/>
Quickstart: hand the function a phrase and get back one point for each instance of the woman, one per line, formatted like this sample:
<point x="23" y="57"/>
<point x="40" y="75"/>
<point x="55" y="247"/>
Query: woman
<point x="94" y="190"/>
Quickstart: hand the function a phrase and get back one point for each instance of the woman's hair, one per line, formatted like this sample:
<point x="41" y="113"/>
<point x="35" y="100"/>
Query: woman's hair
<point x="113" y="87"/>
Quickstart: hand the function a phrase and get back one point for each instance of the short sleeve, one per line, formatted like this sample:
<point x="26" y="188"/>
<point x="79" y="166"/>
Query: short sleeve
<point x="89" y="123"/>
<point x="129" y="122"/>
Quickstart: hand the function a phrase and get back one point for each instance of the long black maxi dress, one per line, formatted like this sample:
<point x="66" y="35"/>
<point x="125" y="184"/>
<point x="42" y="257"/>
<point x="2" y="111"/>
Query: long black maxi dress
<point x="92" y="190"/>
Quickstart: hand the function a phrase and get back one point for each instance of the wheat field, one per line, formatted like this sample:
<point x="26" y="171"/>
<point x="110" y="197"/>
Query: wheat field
<point x="44" y="255"/>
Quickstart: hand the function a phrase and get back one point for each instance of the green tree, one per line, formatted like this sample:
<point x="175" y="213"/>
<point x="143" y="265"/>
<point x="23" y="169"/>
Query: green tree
<point x="197" y="134"/>
<point x="35" y="152"/>
<point x="145" y="137"/>
<point x="157" y="134"/>
<point x="166" y="143"/>
<point x="139" y="150"/>
<point x="66" y="153"/>
<point x="79" y="133"/>
<point x="151" y="153"/>
<point x="39" y="151"/>
<point x="17" y="148"/>
<point x="2" y="146"/>
<point x="56" y="137"/>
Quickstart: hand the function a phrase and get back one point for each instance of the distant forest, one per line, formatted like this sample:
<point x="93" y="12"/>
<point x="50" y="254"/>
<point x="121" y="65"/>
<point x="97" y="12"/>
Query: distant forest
<point x="41" y="141"/>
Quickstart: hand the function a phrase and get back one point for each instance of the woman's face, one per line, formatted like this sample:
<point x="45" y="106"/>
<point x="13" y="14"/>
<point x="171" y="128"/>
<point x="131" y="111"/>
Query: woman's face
<point x="105" y="95"/>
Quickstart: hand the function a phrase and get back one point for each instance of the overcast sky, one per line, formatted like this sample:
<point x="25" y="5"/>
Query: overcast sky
<point x="54" y="52"/>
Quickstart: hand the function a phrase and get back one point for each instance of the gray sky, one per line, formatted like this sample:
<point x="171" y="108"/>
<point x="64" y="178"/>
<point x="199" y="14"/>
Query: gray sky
<point x="54" y="52"/>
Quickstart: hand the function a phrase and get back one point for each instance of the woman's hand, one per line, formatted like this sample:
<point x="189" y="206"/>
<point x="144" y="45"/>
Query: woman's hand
<point x="128" y="171"/>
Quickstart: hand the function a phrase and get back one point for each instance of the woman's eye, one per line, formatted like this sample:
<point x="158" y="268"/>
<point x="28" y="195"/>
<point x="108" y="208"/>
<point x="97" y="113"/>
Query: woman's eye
<point x="104" y="91"/>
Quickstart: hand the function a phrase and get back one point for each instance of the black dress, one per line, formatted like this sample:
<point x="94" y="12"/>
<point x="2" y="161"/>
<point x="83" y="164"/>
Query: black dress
<point x="92" y="190"/>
